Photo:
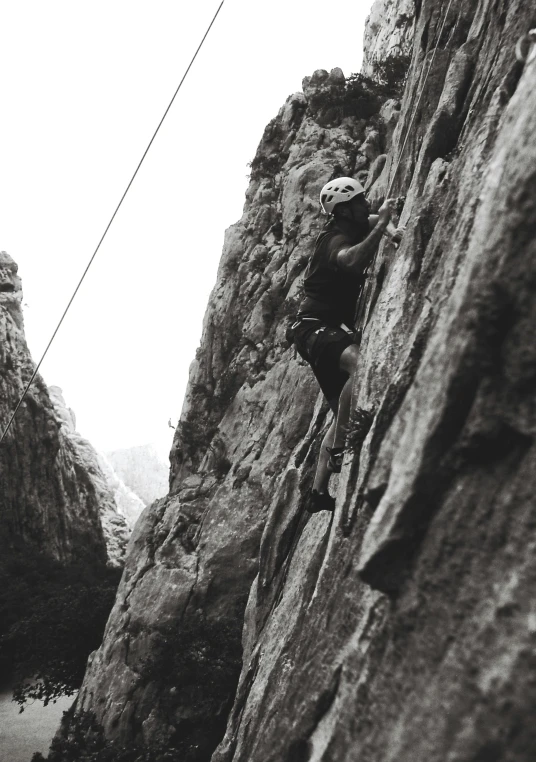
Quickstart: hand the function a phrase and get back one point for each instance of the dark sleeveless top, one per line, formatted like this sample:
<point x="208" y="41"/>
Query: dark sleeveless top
<point x="330" y="293"/>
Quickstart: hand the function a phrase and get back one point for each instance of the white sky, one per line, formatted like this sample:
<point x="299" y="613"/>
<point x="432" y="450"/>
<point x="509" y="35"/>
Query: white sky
<point x="83" y="87"/>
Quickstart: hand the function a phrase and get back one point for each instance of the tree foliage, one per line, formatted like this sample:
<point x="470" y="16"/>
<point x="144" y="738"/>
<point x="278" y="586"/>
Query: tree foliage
<point x="195" y="665"/>
<point x="361" y="96"/>
<point x="51" y="617"/>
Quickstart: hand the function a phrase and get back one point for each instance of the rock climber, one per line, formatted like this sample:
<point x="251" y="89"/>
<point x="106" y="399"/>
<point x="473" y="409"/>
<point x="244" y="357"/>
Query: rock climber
<point x="324" y="328"/>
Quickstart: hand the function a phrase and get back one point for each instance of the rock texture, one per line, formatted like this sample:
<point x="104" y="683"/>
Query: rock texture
<point x="142" y="470"/>
<point x="118" y="506"/>
<point x="129" y="504"/>
<point x="249" y="411"/>
<point x="53" y="497"/>
<point x="402" y="628"/>
<point x="405" y="626"/>
<point x="388" y="34"/>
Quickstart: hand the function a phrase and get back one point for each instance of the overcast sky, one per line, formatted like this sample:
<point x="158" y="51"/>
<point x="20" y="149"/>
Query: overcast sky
<point x="83" y="86"/>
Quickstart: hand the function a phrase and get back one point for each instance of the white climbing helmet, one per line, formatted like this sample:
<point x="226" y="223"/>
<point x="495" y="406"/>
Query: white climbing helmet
<point x="337" y="191"/>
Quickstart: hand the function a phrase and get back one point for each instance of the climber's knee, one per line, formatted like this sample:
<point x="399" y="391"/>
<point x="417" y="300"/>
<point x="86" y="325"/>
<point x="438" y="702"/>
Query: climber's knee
<point x="349" y="357"/>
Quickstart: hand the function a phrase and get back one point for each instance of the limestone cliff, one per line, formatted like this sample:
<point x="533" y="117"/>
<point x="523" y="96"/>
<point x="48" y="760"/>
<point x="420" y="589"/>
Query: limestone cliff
<point x="128" y="503"/>
<point x="402" y="628"/>
<point x="142" y="471"/>
<point x="248" y="410"/>
<point x="388" y="34"/>
<point x="53" y="496"/>
<point x="119" y="507"/>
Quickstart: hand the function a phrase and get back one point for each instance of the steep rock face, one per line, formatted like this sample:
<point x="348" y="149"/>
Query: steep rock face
<point x="401" y="628"/>
<point x="143" y="472"/>
<point x="118" y="510"/>
<point x="129" y="504"/>
<point x="51" y="493"/>
<point x="388" y="34"/>
<point x="248" y="410"/>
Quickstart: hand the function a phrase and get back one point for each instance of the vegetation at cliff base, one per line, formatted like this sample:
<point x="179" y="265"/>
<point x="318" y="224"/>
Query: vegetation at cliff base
<point x="203" y="657"/>
<point x="196" y="666"/>
<point x="85" y="741"/>
<point x="51" y="618"/>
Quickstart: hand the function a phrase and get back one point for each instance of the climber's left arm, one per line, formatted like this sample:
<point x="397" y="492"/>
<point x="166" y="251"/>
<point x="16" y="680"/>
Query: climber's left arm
<point x="393" y="233"/>
<point x="373" y="220"/>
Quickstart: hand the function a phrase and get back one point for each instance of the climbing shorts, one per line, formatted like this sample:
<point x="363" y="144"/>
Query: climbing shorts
<point x="321" y="346"/>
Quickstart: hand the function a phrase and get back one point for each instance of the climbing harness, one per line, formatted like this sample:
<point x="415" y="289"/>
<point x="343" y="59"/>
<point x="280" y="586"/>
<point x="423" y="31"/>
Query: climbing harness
<point x="34" y="374"/>
<point x="526" y="47"/>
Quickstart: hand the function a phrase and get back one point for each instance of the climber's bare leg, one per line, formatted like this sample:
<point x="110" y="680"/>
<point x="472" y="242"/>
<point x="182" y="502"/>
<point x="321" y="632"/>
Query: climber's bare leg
<point x="348" y="363"/>
<point x="322" y="474"/>
<point x="336" y="433"/>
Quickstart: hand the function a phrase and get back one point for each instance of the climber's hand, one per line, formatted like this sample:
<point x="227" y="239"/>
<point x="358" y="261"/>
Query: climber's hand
<point x="396" y="235"/>
<point x="386" y="210"/>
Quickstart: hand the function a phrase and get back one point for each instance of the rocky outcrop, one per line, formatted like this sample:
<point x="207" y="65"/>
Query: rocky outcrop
<point x="128" y="503"/>
<point x="142" y="471"/>
<point x="248" y="410"/>
<point x="402" y="627"/>
<point x="53" y="496"/>
<point x="118" y="506"/>
<point x="388" y="36"/>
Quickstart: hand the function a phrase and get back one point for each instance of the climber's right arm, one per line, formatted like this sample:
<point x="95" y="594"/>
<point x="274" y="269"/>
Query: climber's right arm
<point x="357" y="258"/>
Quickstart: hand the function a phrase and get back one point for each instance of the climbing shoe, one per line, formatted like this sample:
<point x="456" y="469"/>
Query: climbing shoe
<point x="336" y="454"/>
<point x="320" y="501"/>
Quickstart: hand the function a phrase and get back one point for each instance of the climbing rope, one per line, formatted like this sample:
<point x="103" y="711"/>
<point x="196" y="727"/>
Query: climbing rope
<point x="365" y="290"/>
<point x="34" y="374"/>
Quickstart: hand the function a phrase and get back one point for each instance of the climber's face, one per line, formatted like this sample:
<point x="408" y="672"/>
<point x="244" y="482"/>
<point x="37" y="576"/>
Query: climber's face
<point x="359" y="208"/>
<point x="356" y="211"/>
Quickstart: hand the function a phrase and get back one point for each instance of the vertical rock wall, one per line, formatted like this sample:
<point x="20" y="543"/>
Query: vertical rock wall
<point x="53" y="496"/>
<point x="249" y="412"/>
<point x="118" y="507"/>
<point x="388" y="34"/>
<point x="142" y="470"/>
<point x="402" y="628"/>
